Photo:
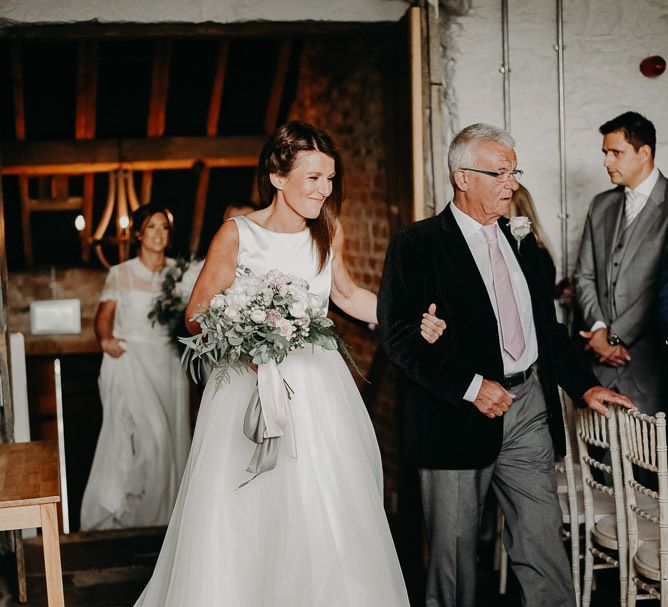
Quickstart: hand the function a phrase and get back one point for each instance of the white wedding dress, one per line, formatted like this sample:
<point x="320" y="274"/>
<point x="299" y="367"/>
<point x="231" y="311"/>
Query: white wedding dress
<point x="312" y="532"/>
<point x="143" y="444"/>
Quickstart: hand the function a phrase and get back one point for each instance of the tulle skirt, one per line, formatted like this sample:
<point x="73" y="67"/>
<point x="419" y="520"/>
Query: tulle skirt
<point x="311" y="532"/>
<point x="143" y="444"/>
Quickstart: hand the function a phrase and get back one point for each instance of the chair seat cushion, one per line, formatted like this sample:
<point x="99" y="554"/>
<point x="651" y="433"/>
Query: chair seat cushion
<point x="646" y="559"/>
<point x="603" y="504"/>
<point x="605" y="530"/>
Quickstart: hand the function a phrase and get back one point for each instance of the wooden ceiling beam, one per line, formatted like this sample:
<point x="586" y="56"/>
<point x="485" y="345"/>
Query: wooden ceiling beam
<point x="16" y="57"/>
<point x="199" y="209"/>
<point x="277" y="86"/>
<point x="217" y="89"/>
<point x="157" y="109"/>
<point x="213" y="118"/>
<point x="157" y="113"/>
<point x="73" y="203"/>
<point x="183" y="30"/>
<point x="86" y="90"/>
<point x="86" y="126"/>
<point x="76" y="157"/>
<point x="17" y="82"/>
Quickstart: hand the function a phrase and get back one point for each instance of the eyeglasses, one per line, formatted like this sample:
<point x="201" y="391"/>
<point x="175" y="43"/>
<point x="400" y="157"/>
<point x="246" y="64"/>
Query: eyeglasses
<point x="499" y="175"/>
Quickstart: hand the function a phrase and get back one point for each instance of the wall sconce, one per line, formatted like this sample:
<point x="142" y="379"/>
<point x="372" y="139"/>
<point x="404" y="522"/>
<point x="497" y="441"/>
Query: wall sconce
<point x="652" y="67"/>
<point x="121" y="201"/>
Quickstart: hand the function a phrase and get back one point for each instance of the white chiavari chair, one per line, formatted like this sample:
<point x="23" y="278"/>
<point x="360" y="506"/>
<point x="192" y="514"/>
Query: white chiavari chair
<point x="605" y="534"/>
<point x="643" y="443"/>
<point x="569" y="492"/>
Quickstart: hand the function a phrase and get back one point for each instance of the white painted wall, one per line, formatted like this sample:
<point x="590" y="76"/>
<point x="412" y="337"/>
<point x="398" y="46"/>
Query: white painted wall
<point x="604" y="42"/>
<point x="198" y="11"/>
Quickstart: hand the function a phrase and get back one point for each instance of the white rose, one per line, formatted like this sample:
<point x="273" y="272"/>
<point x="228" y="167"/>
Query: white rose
<point x="239" y="300"/>
<point x="253" y="287"/>
<point x="297" y="309"/>
<point x="231" y="312"/>
<point x="520" y="227"/>
<point x="284" y="328"/>
<point x="218" y="302"/>
<point x="258" y="316"/>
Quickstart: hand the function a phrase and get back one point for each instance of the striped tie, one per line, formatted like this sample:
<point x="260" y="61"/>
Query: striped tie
<point x="633" y="204"/>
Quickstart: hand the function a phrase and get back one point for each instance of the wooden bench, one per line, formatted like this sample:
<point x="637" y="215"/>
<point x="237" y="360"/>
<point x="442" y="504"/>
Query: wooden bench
<point x="29" y="492"/>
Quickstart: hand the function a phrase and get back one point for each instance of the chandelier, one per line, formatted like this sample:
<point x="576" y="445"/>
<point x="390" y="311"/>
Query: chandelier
<point x="121" y="202"/>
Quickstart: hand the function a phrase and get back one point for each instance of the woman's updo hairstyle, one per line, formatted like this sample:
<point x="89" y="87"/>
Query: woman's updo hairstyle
<point x="279" y="155"/>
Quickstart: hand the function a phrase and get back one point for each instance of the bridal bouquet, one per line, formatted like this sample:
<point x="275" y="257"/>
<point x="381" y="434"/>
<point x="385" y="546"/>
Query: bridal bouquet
<point x="257" y="320"/>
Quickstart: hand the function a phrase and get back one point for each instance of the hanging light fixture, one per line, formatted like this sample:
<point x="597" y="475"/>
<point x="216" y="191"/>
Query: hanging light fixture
<point x="121" y="201"/>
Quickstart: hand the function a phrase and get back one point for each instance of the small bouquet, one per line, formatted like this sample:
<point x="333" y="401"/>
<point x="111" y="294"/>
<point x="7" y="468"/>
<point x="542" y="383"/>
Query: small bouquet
<point x="259" y="320"/>
<point x="169" y="306"/>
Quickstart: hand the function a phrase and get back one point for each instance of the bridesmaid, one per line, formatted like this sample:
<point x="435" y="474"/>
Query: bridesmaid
<point x="145" y="436"/>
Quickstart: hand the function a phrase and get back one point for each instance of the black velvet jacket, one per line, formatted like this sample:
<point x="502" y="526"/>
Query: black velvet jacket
<point x="430" y="262"/>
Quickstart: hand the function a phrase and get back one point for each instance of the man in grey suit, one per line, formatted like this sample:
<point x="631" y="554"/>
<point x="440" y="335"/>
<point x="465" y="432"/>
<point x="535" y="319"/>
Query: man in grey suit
<point x="623" y="248"/>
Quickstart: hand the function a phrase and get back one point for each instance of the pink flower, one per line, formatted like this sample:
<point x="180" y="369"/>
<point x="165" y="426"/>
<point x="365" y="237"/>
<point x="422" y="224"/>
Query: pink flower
<point x="272" y="317"/>
<point x="285" y="328"/>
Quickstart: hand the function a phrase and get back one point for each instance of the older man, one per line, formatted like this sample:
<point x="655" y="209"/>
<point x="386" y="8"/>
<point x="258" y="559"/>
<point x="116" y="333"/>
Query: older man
<point x="623" y="250"/>
<point x="482" y="405"/>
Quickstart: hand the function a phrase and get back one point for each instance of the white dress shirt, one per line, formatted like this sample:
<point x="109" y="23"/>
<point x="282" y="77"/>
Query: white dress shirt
<point x="475" y="239"/>
<point x="641" y="192"/>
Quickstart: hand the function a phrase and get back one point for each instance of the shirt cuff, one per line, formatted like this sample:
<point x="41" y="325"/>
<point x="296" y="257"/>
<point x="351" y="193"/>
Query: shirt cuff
<point x="474" y="387"/>
<point x="599" y="324"/>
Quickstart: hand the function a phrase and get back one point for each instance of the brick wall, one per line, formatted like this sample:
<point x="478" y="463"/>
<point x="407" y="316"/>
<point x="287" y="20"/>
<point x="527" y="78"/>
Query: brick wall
<point x="347" y="88"/>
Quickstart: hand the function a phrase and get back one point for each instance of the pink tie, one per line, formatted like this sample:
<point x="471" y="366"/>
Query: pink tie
<point x="509" y="317"/>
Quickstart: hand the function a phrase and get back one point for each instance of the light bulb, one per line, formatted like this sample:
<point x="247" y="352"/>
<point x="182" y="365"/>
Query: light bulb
<point x="124" y="222"/>
<point x="80" y="223"/>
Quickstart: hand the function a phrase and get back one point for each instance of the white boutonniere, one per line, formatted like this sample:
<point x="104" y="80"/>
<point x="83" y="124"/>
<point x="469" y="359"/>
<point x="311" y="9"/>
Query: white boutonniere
<point x="520" y="227"/>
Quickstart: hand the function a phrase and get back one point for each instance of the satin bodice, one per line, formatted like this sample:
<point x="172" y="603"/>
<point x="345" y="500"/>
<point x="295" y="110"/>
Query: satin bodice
<point x="262" y="250"/>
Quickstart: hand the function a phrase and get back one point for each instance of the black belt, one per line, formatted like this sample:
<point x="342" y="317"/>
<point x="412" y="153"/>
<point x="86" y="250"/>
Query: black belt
<point x="510" y="381"/>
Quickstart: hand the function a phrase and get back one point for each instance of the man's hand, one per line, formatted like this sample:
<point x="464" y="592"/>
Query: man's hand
<point x="597" y="396"/>
<point x="493" y="399"/>
<point x="613" y="356"/>
<point x="617" y="357"/>
<point x="431" y="327"/>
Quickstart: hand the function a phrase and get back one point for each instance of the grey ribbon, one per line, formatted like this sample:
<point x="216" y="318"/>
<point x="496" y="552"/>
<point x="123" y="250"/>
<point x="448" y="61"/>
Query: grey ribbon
<point x="265" y="456"/>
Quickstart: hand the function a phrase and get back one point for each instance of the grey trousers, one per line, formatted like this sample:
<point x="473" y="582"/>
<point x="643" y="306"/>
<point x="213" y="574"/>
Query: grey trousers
<point x="524" y="481"/>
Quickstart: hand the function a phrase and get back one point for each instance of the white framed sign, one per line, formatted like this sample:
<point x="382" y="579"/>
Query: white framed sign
<point x="55" y="316"/>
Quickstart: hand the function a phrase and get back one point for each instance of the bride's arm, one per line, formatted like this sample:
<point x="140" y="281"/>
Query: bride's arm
<point x="217" y="273"/>
<point x="354" y="300"/>
<point x="361" y="303"/>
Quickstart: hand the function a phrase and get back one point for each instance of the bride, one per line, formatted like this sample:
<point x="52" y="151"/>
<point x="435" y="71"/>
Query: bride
<point x="312" y="531"/>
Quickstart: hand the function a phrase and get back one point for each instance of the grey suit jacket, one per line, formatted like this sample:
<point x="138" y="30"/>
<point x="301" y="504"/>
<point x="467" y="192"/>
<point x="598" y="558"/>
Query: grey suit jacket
<point x="624" y="296"/>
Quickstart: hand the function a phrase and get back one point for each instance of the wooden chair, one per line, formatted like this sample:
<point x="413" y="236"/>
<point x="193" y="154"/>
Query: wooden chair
<point x="643" y="444"/>
<point x="29" y="492"/>
<point x="605" y="535"/>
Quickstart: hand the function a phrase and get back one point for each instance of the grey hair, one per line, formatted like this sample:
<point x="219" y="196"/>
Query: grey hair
<point x="464" y="145"/>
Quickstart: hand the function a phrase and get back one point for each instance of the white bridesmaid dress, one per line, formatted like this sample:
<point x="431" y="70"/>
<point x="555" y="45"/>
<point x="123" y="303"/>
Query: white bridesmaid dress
<point x="145" y="436"/>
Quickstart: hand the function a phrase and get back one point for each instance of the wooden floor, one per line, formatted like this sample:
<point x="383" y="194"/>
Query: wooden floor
<point x="104" y="569"/>
<point x="110" y="569"/>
